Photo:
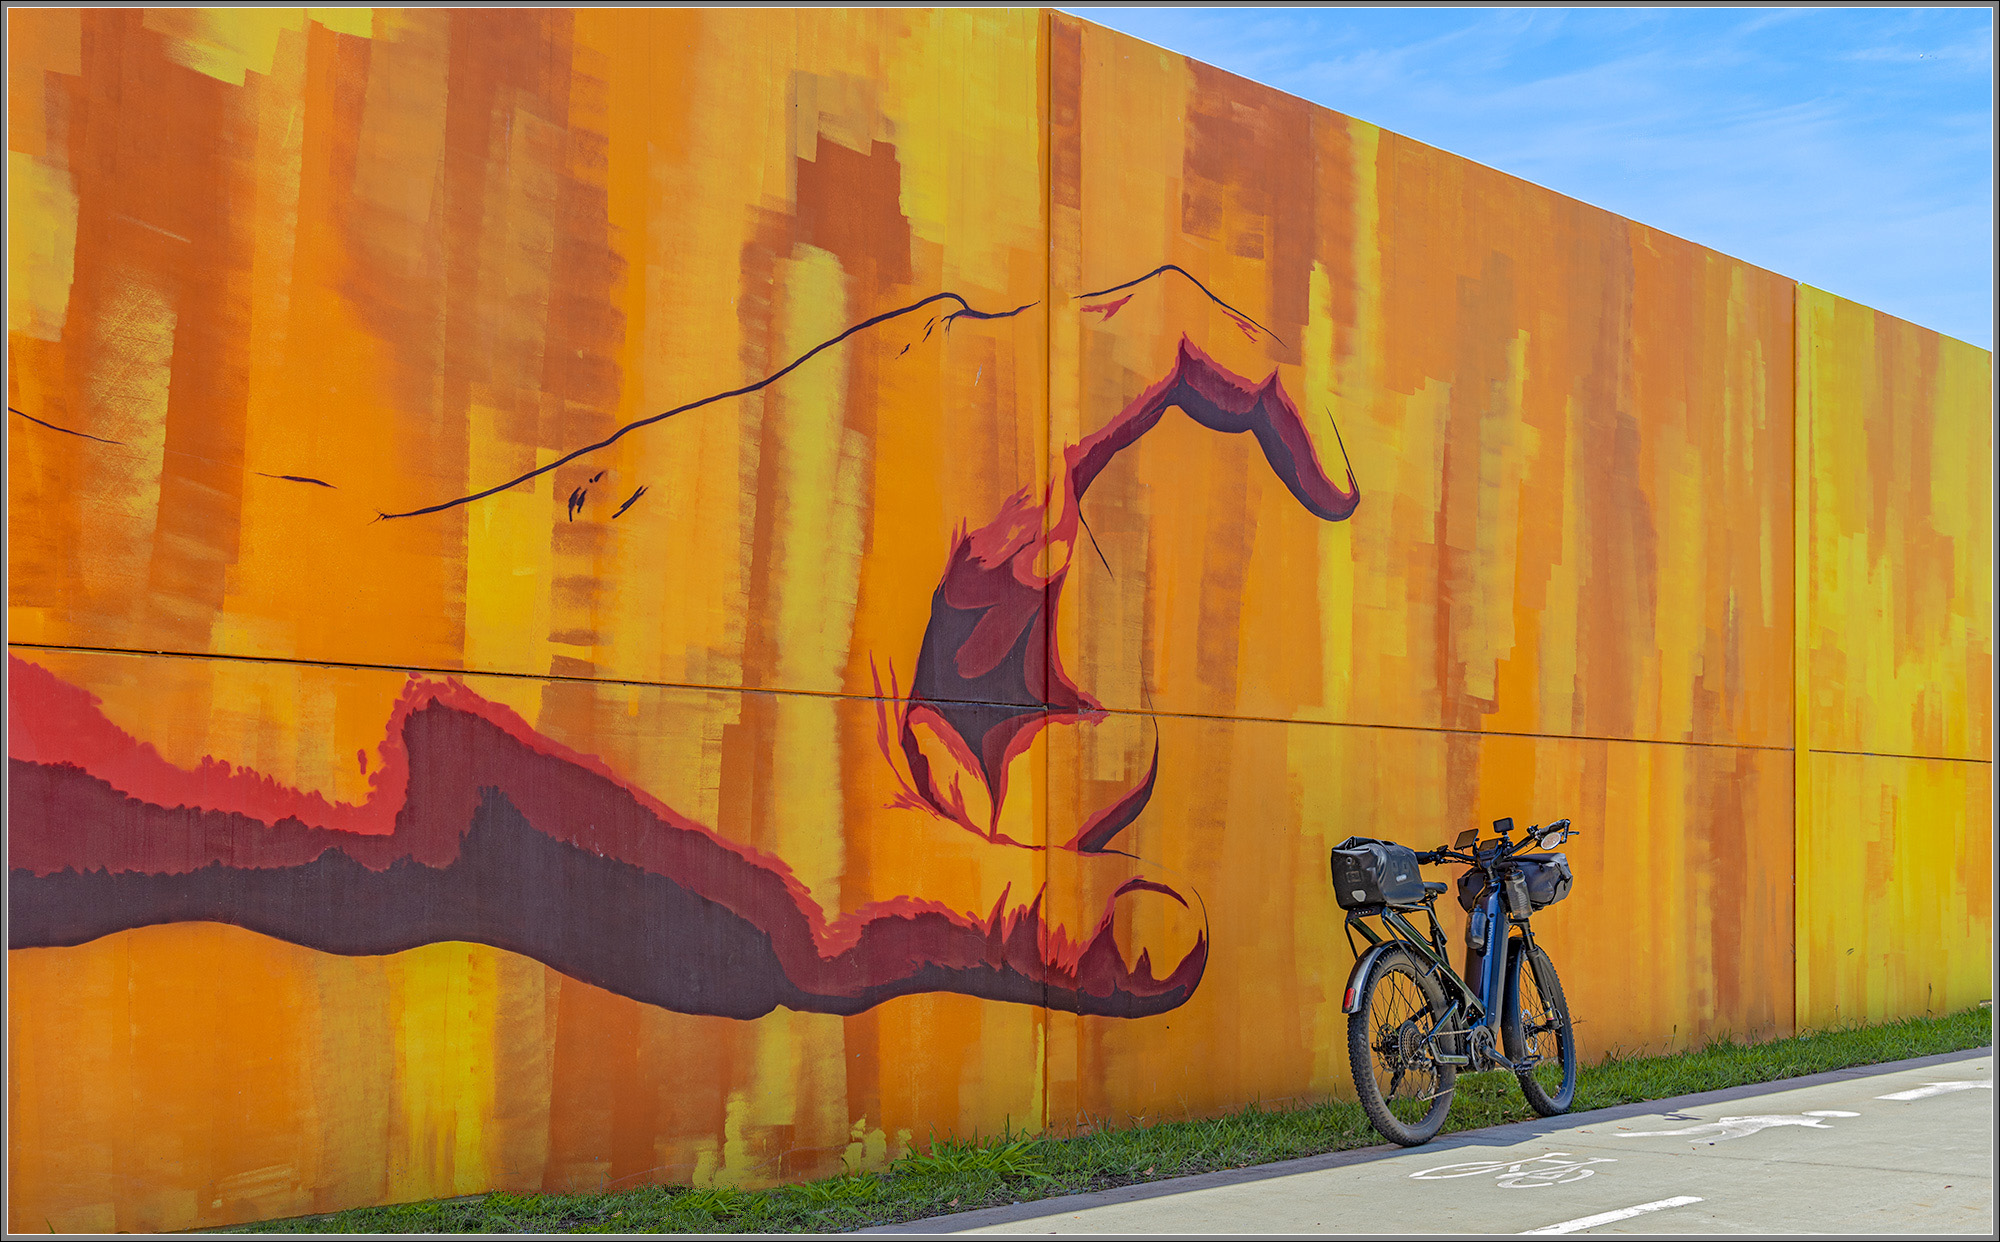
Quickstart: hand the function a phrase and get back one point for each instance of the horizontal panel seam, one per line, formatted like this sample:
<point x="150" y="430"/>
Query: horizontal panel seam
<point x="869" y="698"/>
<point x="1409" y="728"/>
<point x="1891" y="754"/>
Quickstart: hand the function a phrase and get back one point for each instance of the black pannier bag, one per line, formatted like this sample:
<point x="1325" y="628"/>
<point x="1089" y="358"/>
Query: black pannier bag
<point x="1367" y="872"/>
<point x="1471" y="888"/>
<point x="1548" y="878"/>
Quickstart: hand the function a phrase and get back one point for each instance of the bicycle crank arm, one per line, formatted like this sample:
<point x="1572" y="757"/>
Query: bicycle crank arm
<point x="1448" y="1058"/>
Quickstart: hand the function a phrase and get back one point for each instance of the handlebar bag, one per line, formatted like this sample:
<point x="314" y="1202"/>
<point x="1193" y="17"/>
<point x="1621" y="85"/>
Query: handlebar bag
<point x="1367" y="872"/>
<point x="1548" y="878"/>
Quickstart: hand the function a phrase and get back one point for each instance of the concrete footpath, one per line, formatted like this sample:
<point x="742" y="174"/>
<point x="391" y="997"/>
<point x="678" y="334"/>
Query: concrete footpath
<point x="1905" y="1147"/>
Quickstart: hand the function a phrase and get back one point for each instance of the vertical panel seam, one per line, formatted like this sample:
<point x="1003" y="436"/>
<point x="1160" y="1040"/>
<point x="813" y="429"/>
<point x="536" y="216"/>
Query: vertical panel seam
<point x="1802" y="528"/>
<point x="1045" y="29"/>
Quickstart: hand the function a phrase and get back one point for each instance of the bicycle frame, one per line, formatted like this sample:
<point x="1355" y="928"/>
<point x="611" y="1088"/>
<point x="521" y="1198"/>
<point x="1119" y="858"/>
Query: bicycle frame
<point x="1483" y="1005"/>
<point x="1413" y="1021"/>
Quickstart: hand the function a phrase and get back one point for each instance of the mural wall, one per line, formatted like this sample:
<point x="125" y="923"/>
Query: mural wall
<point x="1895" y="530"/>
<point x="619" y="596"/>
<point x="1562" y="592"/>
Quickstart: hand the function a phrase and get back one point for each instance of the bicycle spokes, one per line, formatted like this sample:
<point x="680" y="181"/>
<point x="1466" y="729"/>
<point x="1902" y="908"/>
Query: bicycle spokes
<point x="1540" y="1027"/>
<point x="1403" y="1051"/>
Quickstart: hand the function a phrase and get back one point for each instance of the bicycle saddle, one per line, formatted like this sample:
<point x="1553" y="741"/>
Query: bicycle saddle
<point x="1431" y="889"/>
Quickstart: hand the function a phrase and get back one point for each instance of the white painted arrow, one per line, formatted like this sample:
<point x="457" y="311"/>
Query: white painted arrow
<point x="1743" y="1127"/>
<point x="1938" y="1088"/>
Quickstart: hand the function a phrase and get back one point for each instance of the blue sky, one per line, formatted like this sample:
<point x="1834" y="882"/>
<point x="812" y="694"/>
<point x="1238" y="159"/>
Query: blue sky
<point x="1848" y="148"/>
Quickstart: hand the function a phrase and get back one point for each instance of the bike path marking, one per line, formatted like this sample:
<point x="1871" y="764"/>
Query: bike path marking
<point x="1605" y="1218"/>
<point x="1743" y="1127"/>
<point x="1937" y="1088"/>
<point x="1517" y="1174"/>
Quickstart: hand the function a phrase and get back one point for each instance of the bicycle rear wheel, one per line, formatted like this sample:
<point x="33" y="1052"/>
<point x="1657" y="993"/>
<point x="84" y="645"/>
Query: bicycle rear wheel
<point x="1540" y="1038"/>
<point x="1390" y="1047"/>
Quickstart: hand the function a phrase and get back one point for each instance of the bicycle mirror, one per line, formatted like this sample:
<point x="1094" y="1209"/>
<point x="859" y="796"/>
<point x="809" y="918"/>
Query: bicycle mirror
<point x="1466" y="839"/>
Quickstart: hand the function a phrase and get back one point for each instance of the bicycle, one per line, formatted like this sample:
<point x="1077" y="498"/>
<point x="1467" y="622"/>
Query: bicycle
<point x="1412" y="1021"/>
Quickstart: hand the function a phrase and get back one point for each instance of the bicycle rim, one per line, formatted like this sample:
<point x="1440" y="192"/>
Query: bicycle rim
<point x="1545" y="1041"/>
<point x="1408" y="1084"/>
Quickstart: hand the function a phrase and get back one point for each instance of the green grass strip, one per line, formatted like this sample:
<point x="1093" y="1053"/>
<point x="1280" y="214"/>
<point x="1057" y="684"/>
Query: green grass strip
<point x="958" y="1176"/>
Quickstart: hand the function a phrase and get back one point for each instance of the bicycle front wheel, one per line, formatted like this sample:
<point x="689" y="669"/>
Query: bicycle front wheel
<point x="1539" y="1036"/>
<point x="1391" y="1047"/>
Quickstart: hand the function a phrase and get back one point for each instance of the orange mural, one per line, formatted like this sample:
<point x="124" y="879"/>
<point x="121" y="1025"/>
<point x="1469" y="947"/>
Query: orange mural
<point x="1573" y="440"/>
<point x="1895" y="672"/>
<point x="613" y="596"/>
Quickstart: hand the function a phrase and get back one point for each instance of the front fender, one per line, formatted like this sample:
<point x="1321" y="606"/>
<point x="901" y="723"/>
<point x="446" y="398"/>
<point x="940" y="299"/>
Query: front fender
<point x="1364" y="968"/>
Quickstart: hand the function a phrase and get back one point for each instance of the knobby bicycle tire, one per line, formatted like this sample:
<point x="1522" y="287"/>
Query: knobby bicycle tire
<point x="1389" y="1051"/>
<point x="1537" y="1023"/>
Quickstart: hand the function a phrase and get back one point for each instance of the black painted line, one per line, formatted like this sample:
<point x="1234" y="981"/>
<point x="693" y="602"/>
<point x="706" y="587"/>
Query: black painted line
<point x="82" y="435"/>
<point x="632" y="500"/>
<point x="965" y="310"/>
<point x="1175" y="267"/>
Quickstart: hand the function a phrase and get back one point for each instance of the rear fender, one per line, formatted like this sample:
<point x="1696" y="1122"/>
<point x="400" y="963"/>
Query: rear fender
<point x="1364" y="969"/>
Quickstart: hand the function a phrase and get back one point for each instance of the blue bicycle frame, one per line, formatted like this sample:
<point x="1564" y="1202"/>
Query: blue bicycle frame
<point x="1493" y="964"/>
<point x="1482" y="1005"/>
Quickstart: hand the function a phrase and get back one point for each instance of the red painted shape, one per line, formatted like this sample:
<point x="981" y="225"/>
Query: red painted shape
<point x="1098" y="831"/>
<point x="94" y="808"/>
<point x="994" y="573"/>
<point x="51" y="721"/>
<point x="1108" y="309"/>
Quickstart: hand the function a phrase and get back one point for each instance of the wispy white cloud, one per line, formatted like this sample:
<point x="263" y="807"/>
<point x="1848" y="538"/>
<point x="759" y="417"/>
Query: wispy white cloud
<point x="1964" y="56"/>
<point x="1773" y="17"/>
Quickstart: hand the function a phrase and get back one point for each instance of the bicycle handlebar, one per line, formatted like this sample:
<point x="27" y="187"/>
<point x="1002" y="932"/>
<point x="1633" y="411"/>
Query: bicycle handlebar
<point x="1444" y="854"/>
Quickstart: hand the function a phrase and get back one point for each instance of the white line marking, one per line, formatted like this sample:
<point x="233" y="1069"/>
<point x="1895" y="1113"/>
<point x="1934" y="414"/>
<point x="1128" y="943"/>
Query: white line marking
<point x="1741" y="1127"/>
<point x="1937" y="1088"/>
<point x="1605" y="1218"/>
